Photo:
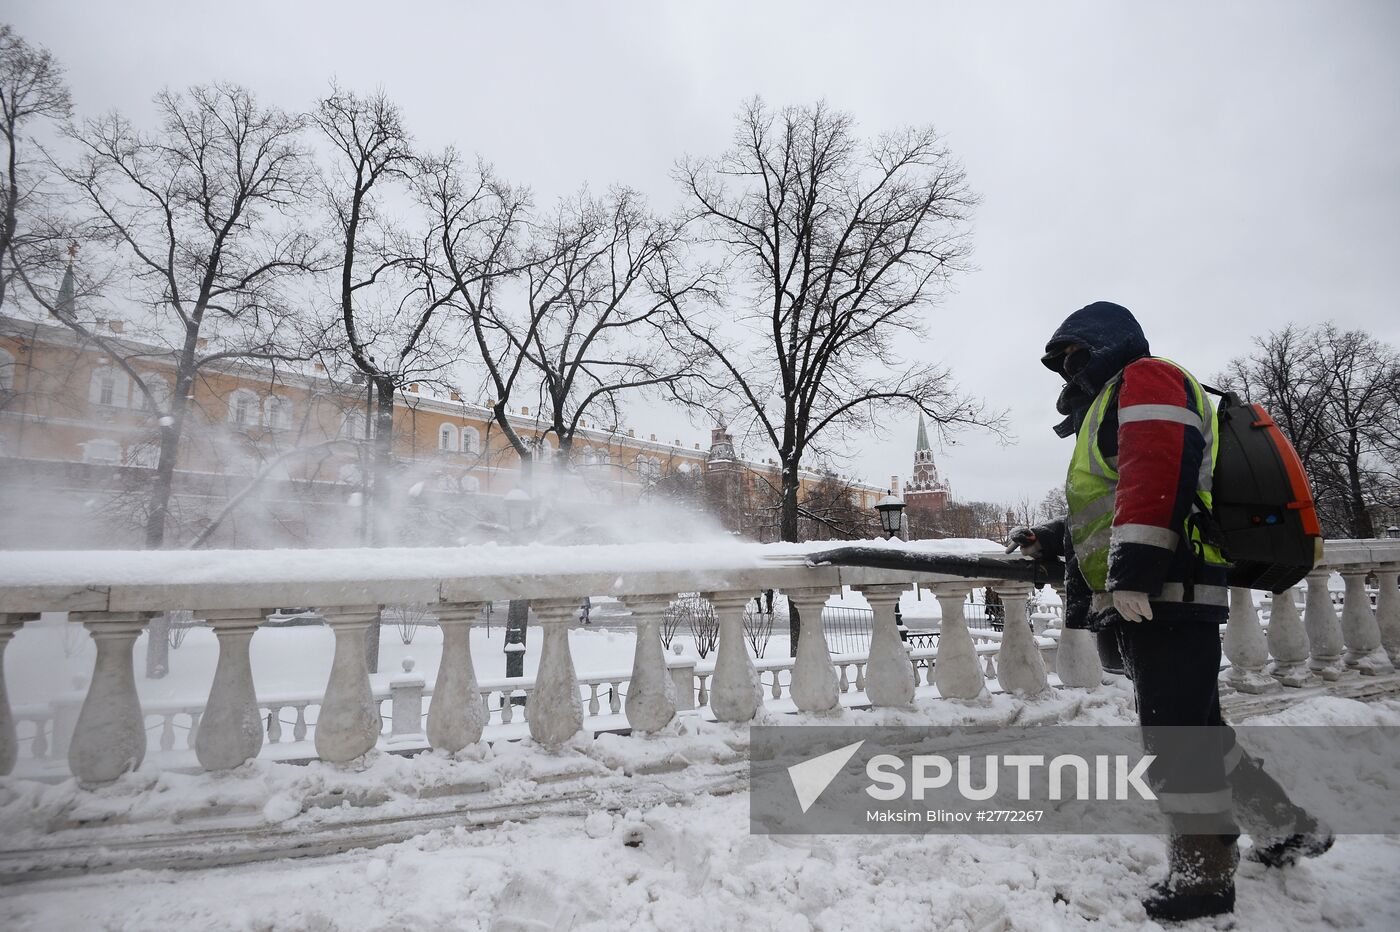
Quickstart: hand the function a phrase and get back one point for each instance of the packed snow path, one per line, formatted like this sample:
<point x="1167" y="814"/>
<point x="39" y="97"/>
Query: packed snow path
<point x="686" y="860"/>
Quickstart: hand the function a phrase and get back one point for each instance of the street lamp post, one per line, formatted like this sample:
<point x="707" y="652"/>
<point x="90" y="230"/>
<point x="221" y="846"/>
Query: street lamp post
<point x="891" y="509"/>
<point x="518" y="506"/>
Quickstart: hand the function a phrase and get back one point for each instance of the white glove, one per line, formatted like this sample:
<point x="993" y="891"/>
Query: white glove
<point x="1133" y="606"/>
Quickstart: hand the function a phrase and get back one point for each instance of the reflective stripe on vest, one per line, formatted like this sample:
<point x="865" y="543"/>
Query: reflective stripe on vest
<point x="1092" y="485"/>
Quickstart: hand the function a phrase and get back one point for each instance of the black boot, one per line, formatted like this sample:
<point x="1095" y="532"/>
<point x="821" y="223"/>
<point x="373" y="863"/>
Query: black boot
<point x="1288" y="850"/>
<point x="1283" y="832"/>
<point x="1200" y="879"/>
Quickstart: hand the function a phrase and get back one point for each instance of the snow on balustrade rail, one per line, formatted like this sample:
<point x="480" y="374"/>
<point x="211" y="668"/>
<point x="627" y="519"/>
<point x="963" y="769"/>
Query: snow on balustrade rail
<point x="113" y="595"/>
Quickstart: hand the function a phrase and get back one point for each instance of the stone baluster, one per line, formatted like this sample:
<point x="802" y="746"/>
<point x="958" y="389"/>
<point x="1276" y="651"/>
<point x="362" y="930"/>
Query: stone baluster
<point x="1288" y="643"/>
<point x="651" y="696"/>
<point x="9" y="739"/>
<point x="814" y="683"/>
<point x="956" y="672"/>
<point x="1245" y="645"/>
<point x="406" y="705"/>
<point x="1324" y="630"/>
<point x="683" y="675"/>
<point x="1020" y="667"/>
<point x="110" y="736"/>
<point x="889" y="678"/>
<point x="1360" y="632"/>
<point x="1077" y="660"/>
<point x="457" y="713"/>
<point x="554" y="711"/>
<point x="735" y="693"/>
<point x="348" y="725"/>
<point x="231" y="729"/>
<point x="1388" y="609"/>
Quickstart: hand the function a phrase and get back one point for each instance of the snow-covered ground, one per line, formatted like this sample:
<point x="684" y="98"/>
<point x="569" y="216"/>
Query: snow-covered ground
<point x="690" y="863"/>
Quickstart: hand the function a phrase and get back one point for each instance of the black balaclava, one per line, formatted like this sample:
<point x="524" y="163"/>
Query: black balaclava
<point x="1112" y="337"/>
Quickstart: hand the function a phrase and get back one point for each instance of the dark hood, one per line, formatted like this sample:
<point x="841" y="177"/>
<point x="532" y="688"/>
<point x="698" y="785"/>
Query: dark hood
<point x="1113" y="338"/>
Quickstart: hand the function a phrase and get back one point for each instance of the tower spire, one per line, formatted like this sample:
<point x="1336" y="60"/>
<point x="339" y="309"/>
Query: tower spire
<point x="66" y="302"/>
<point x="921" y="445"/>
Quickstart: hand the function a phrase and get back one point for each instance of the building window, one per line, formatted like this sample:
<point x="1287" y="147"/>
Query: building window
<point x="277" y="412"/>
<point x="471" y="440"/>
<point x="447" y="438"/>
<point x="108" y="388"/>
<point x="7" y="371"/>
<point x="352" y="426"/>
<point x="102" y="451"/>
<point x="243" y="408"/>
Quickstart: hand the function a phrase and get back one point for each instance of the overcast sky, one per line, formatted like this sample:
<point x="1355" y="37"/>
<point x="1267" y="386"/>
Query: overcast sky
<point x="1220" y="169"/>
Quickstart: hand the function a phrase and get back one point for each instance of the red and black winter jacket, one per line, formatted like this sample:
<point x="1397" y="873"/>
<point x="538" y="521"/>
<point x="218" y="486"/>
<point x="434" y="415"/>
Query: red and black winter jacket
<point x="1150" y="435"/>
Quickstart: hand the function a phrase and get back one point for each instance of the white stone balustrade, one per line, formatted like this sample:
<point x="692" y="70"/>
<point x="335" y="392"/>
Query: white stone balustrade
<point x="1388" y="609"/>
<point x="9" y="739"/>
<point x="1323" y="627"/>
<point x="736" y="694"/>
<point x="406" y="705"/>
<point x="457" y="715"/>
<point x="102" y="729"/>
<point x="1020" y="668"/>
<point x="1360" y="632"/>
<point x="1287" y="642"/>
<point x="958" y="673"/>
<point x="230" y="730"/>
<point x="651" y="696"/>
<point x="889" y="677"/>
<point x="1246" y="647"/>
<point x="110" y="736"/>
<point x="555" y="710"/>
<point x="814" y="680"/>
<point x="349" y="723"/>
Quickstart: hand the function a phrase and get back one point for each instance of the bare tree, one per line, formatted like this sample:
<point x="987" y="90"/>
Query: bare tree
<point x="478" y="222"/>
<point x="831" y="511"/>
<point x="32" y="91"/>
<point x="390" y="310"/>
<point x="600" y="277"/>
<point x="204" y="214"/>
<point x="840" y="247"/>
<point x="1334" y="393"/>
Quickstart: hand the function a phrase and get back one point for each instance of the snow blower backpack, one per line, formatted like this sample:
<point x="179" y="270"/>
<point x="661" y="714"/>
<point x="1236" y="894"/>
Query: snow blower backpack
<point x="1263" y="516"/>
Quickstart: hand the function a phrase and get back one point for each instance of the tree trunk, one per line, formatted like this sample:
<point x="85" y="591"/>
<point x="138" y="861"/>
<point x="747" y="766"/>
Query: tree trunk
<point x="381" y="485"/>
<point x="517" y="624"/>
<point x="788" y="530"/>
<point x="794" y="628"/>
<point x="1361" y="526"/>
<point x="171" y="428"/>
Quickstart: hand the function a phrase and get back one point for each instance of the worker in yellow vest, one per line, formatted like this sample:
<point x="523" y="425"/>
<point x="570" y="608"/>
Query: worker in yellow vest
<point x="1140" y="567"/>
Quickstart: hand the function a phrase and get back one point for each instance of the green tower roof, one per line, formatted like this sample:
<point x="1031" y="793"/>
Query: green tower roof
<point x="922" y="444"/>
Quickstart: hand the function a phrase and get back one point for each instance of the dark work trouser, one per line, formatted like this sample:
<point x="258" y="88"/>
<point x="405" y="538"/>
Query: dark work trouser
<point x="1174" y="666"/>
